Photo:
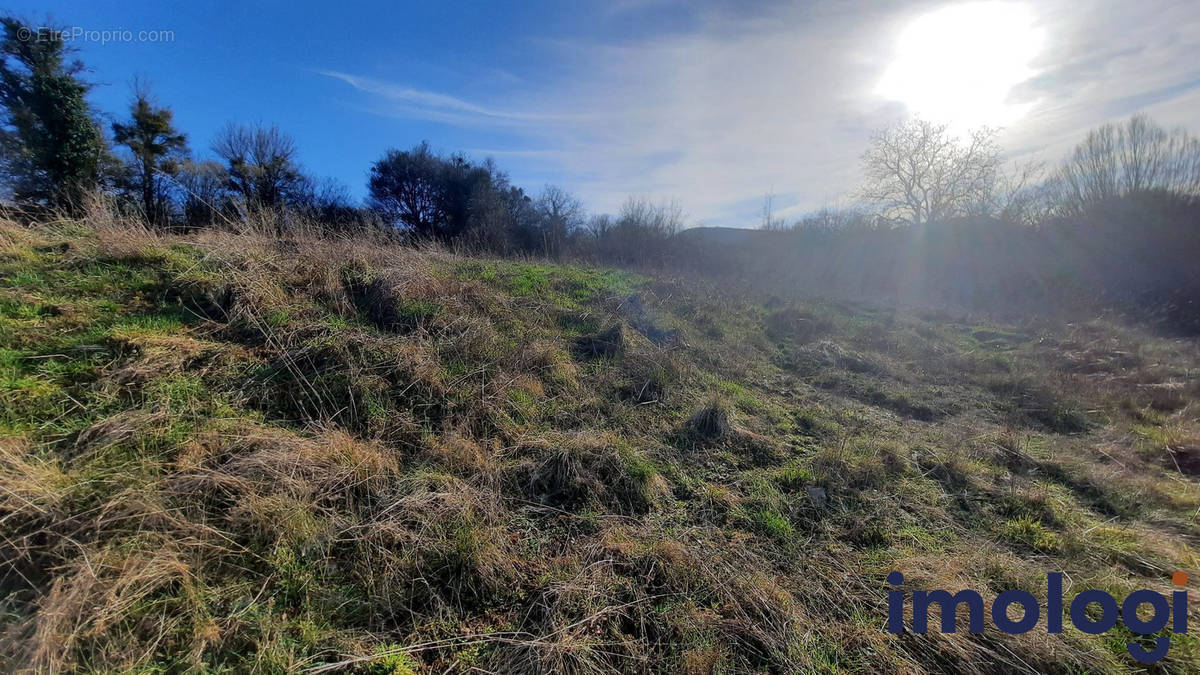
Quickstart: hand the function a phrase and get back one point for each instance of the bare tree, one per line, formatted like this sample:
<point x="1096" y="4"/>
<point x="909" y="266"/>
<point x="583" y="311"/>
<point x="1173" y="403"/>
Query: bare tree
<point x="205" y="193"/>
<point x="918" y="171"/>
<point x="599" y="225"/>
<point x="834" y="219"/>
<point x="560" y="212"/>
<point x="640" y="233"/>
<point x="262" y="164"/>
<point x="1114" y="160"/>
<point x="1018" y="194"/>
<point x="663" y="220"/>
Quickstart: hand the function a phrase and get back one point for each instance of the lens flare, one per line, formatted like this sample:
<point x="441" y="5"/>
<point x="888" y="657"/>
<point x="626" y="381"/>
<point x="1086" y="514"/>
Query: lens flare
<point x="960" y="63"/>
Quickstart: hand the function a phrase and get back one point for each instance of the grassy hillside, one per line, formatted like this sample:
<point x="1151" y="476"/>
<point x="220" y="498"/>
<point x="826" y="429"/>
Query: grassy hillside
<point x="227" y="453"/>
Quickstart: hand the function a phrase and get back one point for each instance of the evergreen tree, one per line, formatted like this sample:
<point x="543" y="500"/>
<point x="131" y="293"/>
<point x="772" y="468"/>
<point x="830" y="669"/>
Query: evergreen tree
<point x="156" y="145"/>
<point x="52" y="146"/>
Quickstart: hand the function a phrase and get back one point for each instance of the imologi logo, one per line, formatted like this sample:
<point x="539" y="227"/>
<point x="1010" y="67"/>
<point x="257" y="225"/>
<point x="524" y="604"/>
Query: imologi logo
<point x="1161" y="612"/>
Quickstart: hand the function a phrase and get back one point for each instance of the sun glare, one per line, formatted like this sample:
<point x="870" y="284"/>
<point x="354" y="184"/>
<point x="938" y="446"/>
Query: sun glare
<point x="960" y="63"/>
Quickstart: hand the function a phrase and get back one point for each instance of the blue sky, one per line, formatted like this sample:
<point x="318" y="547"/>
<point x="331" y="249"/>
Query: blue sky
<point x="712" y="105"/>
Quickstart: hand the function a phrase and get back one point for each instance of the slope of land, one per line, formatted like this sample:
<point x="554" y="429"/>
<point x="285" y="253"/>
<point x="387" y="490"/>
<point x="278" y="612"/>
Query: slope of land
<point x="226" y="453"/>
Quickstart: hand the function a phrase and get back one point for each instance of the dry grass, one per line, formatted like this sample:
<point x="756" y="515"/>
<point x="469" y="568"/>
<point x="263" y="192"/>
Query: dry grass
<point x="223" y="451"/>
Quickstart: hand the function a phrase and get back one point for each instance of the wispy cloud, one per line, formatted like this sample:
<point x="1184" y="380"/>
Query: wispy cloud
<point x="782" y="101"/>
<point x="431" y="104"/>
<point x="1106" y="60"/>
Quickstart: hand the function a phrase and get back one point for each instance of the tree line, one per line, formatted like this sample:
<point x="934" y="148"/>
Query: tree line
<point x="917" y="172"/>
<point x="56" y="152"/>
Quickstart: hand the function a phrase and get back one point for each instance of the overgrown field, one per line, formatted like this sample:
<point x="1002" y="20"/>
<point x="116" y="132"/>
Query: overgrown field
<point x="225" y="453"/>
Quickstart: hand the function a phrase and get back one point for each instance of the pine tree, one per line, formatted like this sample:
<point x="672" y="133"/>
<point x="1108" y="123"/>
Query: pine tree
<point x="155" y="144"/>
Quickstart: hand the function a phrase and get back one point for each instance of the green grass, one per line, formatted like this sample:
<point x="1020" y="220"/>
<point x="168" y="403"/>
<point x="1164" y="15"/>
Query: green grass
<point x="569" y="287"/>
<point x="459" y="487"/>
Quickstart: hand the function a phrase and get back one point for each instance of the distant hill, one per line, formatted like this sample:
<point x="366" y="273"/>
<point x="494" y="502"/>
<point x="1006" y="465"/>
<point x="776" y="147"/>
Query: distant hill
<point x="734" y="236"/>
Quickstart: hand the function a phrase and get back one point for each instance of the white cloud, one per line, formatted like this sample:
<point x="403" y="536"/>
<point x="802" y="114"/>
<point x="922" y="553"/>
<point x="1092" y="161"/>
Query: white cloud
<point x="433" y="105"/>
<point x="783" y="101"/>
<point x="1105" y="60"/>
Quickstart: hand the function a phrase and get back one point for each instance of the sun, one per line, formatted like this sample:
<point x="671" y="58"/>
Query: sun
<point x="958" y="64"/>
